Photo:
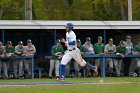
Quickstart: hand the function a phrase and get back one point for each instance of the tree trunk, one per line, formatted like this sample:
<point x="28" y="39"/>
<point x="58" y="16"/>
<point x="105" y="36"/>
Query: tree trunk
<point x="123" y="11"/>
<point x="28" y="10"/>
<point x="130" y="10"/>
<point x="1" y="12"/>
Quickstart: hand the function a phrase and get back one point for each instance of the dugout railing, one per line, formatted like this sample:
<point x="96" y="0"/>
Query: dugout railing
<point x="104" y="56"/>
<point x="21" y="57"/>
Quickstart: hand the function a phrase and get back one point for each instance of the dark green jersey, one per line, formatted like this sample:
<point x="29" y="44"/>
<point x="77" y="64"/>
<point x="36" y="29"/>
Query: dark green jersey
<point x="98" y="48"/>
<point x="137" y="48"/>
<point x="56" y="49"/>
<point x="9" y="50"/>
<point x="81" y="48"/>
<point x="120" y="49"/>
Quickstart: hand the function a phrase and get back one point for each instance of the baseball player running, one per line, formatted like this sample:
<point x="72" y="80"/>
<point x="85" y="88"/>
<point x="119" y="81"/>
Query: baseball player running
<point x="73" y="52"/>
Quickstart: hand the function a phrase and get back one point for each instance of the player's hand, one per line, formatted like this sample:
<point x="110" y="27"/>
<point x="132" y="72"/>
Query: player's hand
<point x="1" y="55"/>
<point x="59" y="52"/>
<point x="23" y="54"/>
<point x="7" y="54"/>
<point x="111" y="52"/>
<point x="12" y="54"/>
<point x="102" y="53"/>
<point x="56" y="54"/>
<point x="18" y="52"/>
<point x="82" y="53"/>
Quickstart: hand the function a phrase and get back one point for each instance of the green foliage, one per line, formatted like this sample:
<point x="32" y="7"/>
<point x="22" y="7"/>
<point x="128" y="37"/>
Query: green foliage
<point x="136" y="10"/>
<point x="63" y="10"/>
<point x="12" y="9"/>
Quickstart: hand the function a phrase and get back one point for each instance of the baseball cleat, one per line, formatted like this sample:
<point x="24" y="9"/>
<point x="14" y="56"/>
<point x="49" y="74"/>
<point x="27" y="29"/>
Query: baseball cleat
<point x="61" y="79"/>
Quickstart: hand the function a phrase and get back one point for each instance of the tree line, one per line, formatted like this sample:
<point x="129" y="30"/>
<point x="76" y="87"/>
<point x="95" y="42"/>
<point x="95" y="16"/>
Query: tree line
<point x="70" y="9"/>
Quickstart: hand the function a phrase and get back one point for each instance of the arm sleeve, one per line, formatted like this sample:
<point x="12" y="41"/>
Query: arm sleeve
<point x="62" y="49"/>
<point x="52" y="50"/>
<point x="34" y="49"/>
<point x="117" y="49"/>
<point x="72" y="43"/>
<point x="72" y="40"/>
<point x="95" y="48"/>
<point x="135" y="49"/>
<point x="24" y="49"/>
<point x="82" y="49"/>
<point x="16" y="50"/>
<point x="13" y="50"/>
<point x="106" y="49"/>
<point x="4" y="51"/>
<point x="114" y="48"/>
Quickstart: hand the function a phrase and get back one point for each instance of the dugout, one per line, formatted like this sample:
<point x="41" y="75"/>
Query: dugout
<point x="44" y="33"/>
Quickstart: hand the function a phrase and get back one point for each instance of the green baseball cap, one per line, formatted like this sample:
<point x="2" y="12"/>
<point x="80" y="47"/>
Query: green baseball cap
<point x="29" y="41"/>
<point x="78" y="41"/>
<point x="88" y="39"/>
<point x="110" y="39"/>
<point x="58" y="41"/>
<point x="122" y="42"/>
<point x="9" y="42"/>
<point x="128" y="37"/>
<point x="99" y="37"/>
<point x="20" y="43"/>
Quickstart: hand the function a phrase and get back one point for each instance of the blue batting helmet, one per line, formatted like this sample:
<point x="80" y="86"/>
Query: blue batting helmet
<point x="70" y="26"/>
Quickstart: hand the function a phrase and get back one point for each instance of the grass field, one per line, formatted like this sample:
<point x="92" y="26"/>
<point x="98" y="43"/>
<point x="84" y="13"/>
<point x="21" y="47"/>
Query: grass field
<point x="119" y="85"/>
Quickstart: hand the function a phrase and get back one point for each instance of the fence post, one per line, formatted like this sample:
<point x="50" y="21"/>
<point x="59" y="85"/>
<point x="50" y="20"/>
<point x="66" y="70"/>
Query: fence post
<point x="3" y="37"/>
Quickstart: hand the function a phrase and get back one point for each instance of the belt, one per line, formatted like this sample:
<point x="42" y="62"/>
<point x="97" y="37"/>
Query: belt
<point x="71" y="49"/>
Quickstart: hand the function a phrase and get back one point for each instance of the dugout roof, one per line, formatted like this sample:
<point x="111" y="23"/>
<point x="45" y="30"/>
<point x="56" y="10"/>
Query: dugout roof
<point x="49" y="24"/>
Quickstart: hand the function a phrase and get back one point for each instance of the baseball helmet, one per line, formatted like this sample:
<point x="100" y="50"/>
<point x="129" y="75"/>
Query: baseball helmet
<point x="110" y="39"/>
<point x="20" y="43"/>
<point x="128" y="37"/>
<point x="70" y="26"/>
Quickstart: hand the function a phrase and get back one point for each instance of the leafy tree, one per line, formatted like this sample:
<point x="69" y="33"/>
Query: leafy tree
<point x="70" y="9"/>
<point x="11" y="9"/>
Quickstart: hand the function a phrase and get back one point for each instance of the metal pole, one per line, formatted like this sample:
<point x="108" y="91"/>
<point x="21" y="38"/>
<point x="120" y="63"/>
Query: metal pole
<point x="54" y="36"/>
<point x="3" y="36"/>
<point x="103" y="57"/>
<point x="33" y="67"/>
<point x="103" y="66"/>
<point x="129" y="10"/>
<point x="104" y="37"/>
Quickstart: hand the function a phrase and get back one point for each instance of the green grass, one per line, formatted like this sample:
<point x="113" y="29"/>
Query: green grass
<point x="118" y="87"/>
